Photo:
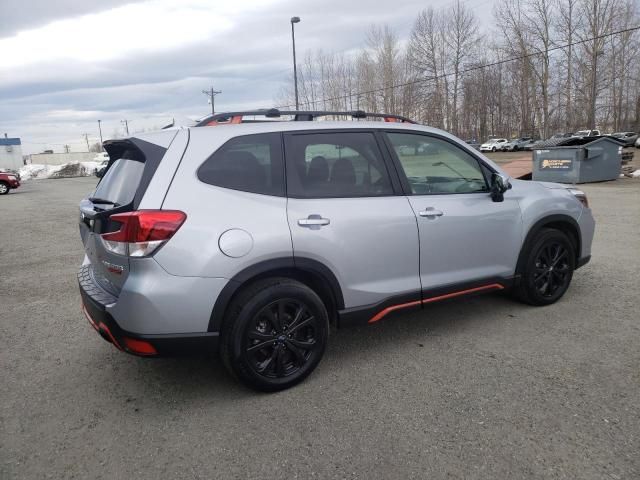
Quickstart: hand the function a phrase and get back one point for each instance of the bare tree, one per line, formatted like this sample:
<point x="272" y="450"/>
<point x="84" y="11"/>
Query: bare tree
<point x="549" y="65"/>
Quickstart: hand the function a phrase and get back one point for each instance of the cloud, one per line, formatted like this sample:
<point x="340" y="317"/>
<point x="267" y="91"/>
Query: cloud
<point x="67" y="63"/>
<point x="127" y="30"/>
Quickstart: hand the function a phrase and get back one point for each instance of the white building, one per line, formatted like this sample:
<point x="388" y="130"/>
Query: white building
<point x="61" y="158"/>
<point x="10" y="153"/>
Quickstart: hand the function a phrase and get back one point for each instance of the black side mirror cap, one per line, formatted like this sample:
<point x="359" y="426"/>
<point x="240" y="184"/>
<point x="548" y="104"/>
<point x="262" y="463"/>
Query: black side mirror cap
<point x="499" y="184"/>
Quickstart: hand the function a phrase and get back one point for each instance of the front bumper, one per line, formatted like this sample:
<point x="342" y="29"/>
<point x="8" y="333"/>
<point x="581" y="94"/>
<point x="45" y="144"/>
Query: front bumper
<point x="94" y="306"/>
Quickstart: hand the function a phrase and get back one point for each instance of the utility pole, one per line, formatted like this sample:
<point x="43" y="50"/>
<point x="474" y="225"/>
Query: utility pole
<point x="100" y="129"/>
<point x="126" y="125"/>
<point x="86" y="139"/>
<point x="212" y="95"/>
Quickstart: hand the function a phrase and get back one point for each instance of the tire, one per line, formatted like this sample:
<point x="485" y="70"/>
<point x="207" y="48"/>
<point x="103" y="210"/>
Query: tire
<point x="548" y="268"/>
<point x="4" y="188"/>
<point x="264" y="353"/>
<point x="493" y="149"/>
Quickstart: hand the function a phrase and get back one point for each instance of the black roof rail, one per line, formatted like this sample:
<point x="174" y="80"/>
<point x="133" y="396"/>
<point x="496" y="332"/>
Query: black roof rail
<point x="298" y="115"/>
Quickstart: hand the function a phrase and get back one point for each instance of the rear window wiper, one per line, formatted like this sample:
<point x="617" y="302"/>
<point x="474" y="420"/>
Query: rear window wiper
<point x="99" y="201"/>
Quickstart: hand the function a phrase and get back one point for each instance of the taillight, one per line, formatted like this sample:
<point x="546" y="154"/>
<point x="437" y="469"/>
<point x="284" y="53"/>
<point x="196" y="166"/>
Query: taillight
<point x="142" y="232"/>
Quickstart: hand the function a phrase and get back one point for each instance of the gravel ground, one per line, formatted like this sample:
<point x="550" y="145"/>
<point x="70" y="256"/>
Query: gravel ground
<point x="477" y="388"/>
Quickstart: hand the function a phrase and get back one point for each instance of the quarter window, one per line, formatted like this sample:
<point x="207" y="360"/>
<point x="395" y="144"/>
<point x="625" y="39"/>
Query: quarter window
<point x="342" y="164"/>
<point x="435" y="166"/>
<point x="251" y="163"/>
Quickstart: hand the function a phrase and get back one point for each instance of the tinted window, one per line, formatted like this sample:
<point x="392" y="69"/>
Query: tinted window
<point x="121" y="181"/>
<point x="251" y="163"/>
<point x="330" y="164"/>
<point x="436" y="166"/>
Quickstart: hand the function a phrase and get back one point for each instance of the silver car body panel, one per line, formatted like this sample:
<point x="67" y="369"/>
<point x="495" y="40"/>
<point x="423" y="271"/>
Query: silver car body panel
<point x="211" y="211"/>
<point x="474" y="238"/>
<point x="155" y="302"/>
<point x="159" y="185"/>
<point x="370" y="244"/>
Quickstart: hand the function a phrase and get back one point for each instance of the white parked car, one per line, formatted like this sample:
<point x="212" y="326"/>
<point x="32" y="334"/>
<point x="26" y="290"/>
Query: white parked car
<point x="101" y="157"/>
<point x="493" y="144"/>
<point x="587" y="133"/>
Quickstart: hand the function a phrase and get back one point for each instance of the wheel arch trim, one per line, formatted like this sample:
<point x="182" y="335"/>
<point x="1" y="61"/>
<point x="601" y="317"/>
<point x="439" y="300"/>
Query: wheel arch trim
<point x="550" y="220"/>
<point x="283" y="267"/>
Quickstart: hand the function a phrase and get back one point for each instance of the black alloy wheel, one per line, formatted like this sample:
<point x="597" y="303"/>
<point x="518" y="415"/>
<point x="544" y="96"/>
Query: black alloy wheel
<point x="281" y="338"/>
<point x="274" y="334"/>
<point x="551" y="269"/>
<point x="547" y="270"/>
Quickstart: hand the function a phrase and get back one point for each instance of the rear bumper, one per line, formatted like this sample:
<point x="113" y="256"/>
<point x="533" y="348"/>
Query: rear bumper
<point x="94" y="306"/>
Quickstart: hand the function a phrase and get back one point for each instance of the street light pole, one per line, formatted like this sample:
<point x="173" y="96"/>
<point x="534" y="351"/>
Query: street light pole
<point x="100" y="129"/>
<point x="126" y="125"/>
<point x="295" y="68"/>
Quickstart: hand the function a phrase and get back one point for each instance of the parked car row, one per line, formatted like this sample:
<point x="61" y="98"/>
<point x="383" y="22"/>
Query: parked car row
<point x="504" y="145"/>
<point x="528" y="143"/>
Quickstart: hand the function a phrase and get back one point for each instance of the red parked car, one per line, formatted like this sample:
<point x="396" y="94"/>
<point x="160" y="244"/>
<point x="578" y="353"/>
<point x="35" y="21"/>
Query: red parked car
<point x="8" y="181"/>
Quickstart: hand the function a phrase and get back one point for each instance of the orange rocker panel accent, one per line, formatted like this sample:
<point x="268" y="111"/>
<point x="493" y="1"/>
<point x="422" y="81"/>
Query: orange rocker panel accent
<point x="382" y="313"/>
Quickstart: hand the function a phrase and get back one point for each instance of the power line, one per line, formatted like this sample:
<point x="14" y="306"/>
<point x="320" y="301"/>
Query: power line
<point x="466" y="70"/>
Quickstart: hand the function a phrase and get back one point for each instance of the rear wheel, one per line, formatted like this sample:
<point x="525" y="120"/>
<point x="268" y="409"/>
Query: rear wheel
<point x="548" y="268"/>
<point x="4" y="188"/>
<point x="275" y="334"/>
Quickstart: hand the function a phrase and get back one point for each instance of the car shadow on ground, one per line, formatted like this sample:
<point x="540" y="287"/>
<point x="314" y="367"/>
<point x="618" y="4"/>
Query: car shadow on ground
<point x="191" y="378"/>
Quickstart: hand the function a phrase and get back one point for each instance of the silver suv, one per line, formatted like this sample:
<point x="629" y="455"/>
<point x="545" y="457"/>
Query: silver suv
<point x="253" y="237"/>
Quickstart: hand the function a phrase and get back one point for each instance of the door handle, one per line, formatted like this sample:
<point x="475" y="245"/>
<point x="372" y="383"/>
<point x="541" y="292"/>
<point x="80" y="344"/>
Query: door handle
<point x="314" y="222"/>
<point x="430" y="212"/>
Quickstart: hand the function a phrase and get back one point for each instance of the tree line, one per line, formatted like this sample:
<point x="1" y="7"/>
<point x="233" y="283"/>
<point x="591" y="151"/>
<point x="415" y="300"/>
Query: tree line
<point x="542" y="67"/>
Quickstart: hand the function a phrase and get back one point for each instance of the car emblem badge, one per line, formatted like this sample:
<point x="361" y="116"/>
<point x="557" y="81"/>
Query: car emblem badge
<point x="113" y="268"/>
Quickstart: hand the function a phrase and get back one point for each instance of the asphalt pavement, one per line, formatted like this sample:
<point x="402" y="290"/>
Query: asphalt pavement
<point x="479" y="387"/>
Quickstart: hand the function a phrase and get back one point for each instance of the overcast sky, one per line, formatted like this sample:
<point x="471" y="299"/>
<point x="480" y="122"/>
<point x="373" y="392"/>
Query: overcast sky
<point x="64" y="64"/>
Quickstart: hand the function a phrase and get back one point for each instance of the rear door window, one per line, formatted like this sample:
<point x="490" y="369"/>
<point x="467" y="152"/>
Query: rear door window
<point x="251" y="163"/>
<point x="335" y="165"/>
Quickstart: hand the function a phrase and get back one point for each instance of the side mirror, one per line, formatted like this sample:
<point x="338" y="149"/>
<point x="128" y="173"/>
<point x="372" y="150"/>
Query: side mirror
<point x="499" y="184"/>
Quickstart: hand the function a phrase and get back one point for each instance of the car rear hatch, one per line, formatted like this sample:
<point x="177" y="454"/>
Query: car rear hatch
<point x="129" y="172"/>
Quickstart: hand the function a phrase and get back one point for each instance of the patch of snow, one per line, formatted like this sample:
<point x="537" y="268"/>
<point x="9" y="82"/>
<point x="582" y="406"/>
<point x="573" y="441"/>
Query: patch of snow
<point x="71" y="169"/>
<point x="636" y="174"/>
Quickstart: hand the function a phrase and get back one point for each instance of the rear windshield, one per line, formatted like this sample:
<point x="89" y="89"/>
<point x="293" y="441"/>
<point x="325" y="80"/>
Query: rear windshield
<point x="121" y="181"/>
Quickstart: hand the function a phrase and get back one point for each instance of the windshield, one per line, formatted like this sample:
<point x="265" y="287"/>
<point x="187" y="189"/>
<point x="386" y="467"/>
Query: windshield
<point x="121" y="181"/>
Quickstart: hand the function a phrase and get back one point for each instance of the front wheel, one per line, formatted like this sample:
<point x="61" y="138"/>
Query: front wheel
<point x="493" y="149"/>
<point x="275" y="334"/>
<point x="548" y="268"/>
